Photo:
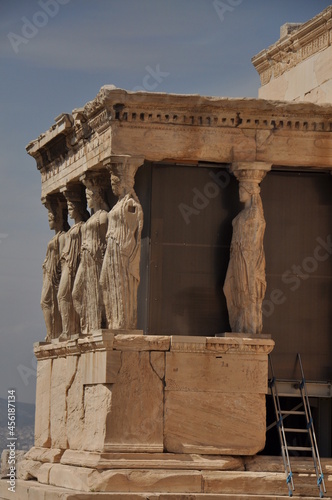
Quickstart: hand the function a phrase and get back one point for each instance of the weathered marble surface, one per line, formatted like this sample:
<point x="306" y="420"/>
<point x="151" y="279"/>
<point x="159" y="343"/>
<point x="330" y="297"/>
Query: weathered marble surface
<point x="5" y="458"/>
<point x="135" y="394"/>
<point x="245" y="281"/>
<point x="43" y="403"/>
<point x="154" y="396"/>
<point x="298" y="66"/>
<point x="217" y="130"/>
<point x="87" y="294"/>
<point x="52" y="267"/>
<point x="120" y="274"/>
<point x="70" y="259"/>
<point x="109" y="133"/>
<point x="162" y="484"/>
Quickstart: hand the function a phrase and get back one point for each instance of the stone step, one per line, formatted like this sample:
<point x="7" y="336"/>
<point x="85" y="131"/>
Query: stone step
<point x="191" y="482"/>
<point x="260" y="477"/>
<point x="30" y="490"/>
<point x="262" y="463"/>
<point x="250" y="482"/>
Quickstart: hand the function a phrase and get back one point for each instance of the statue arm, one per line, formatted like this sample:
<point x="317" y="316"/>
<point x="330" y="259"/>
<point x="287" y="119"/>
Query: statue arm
<point x="103" y="221"/>
<point x="134" y="215"/>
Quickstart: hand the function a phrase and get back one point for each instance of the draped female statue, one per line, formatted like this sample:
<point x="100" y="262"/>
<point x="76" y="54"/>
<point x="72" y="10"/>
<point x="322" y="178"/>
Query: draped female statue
<point x="70" y="259"/>
<point x="87" y="295"/>
<point x="245" y="282"/>
<point x="120" y="272"/>
<point x="57" y="219"/>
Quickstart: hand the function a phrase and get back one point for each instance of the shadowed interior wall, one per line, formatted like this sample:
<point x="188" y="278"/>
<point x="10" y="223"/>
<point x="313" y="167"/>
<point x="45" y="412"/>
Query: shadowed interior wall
<point x="188" y="251"/>
<point x="191" y="227"/>
<point x="143" y="191"/>
<point x="297" y="307"/>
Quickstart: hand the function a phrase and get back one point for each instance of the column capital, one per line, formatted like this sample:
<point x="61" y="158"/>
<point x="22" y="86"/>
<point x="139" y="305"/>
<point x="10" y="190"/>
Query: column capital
<point x="53" y="201"/>
<point x="250" y="171"/>
<point x="72" y="192"/>
<point x="94" y="177"/>
<point x="126" y="161"/>
<point x="124" y="166"/>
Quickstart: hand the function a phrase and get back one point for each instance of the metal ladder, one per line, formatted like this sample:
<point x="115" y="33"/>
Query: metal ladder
<point x="309" y="429"/>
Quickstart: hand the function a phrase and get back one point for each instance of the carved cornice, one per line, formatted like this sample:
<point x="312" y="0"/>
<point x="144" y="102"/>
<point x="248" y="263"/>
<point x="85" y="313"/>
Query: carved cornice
<point x="106" y="340"/>
<point x="101" y="121"/>
<point x="157" y="110"/>
<point x="177" y="128"/>
<point x="141" y="110"/>
<point x="101" y="340"/>
<point x="224" y="120"/>
<point x="99" y="102"/>
<point x="53" y="143"/>
<point x="221" y="344"/>
<point x="302" y="43"/>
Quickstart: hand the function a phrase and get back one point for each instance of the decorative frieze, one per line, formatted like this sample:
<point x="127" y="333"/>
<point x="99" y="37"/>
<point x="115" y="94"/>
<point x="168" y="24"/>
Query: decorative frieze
<point x="107" y="340"/>
<point x="181" y="128"/>
<point x="100" y="122"/>
<point x="241" y="120"/>
<point x="300" y="44"/>
<point x="319" y="43"/>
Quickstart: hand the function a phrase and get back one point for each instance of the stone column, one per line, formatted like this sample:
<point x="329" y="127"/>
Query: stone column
<point x="70" y="259"/>
<point x="57" y="218"/>
<point x="120" y="273"/>
<point x="86" y="292"/>
<point x="245" y="282"/>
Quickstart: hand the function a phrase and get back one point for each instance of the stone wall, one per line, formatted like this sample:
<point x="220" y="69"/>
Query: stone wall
<point x="109" y="400"/>
<point x="298" y="67"/>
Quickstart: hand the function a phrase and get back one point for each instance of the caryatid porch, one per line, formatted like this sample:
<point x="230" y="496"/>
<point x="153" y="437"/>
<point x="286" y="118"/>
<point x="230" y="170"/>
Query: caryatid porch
<point x="161" y="397"/>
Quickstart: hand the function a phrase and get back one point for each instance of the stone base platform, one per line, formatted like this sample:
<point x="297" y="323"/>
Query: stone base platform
<point x="260" y="478"/>
<point x="124" y="413"/>
<point x="134" y="393"/>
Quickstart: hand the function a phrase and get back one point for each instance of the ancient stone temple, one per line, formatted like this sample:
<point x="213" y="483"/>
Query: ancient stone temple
<point x="298" y="66"/>
<point x="190" y="239"/>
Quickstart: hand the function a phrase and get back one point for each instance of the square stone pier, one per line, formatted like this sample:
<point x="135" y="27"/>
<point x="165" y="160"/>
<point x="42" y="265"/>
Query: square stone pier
<point x="123" y="412"/>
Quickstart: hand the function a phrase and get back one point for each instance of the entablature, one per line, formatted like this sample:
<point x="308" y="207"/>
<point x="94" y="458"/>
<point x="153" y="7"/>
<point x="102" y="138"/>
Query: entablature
<point x="181" y="129"/>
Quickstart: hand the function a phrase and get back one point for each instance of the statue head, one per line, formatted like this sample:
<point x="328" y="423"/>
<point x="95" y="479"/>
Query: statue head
<point x="95" y="191"/>
<point x="76" y="204"/>
<point x="57" y="213"/>
<point x="249" y="190"/>
<point x="123" y="178"/>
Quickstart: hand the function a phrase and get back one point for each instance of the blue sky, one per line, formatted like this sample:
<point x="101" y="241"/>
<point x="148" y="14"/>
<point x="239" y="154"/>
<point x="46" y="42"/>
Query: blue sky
<point x="66" y="57"/>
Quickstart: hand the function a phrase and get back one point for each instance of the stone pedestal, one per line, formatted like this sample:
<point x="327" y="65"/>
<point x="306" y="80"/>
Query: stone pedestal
<point x="123" y="412"/>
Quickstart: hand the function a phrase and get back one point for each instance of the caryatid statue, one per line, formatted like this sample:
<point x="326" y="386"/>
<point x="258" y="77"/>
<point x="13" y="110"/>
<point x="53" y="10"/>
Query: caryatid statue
<point x="87" y="294"/>
<point x="70" y="259"/>
<point x="245" y="282"/>
<point x="120" y="274"/>
<point x="57" y="219"/>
